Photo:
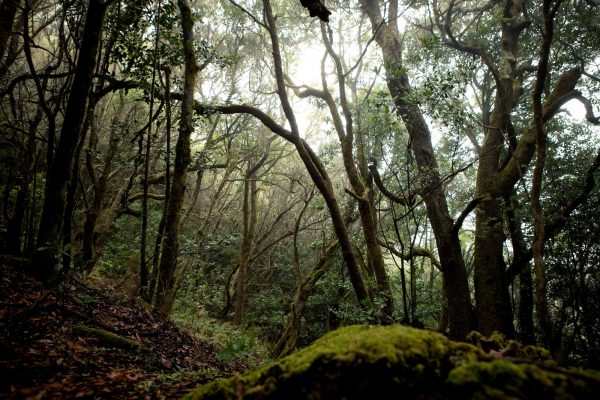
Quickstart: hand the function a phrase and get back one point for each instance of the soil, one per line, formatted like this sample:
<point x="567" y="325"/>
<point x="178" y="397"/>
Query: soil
<point x="79" y="342"/>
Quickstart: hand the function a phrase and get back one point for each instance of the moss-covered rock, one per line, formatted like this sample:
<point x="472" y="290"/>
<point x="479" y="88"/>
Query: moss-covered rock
<point x="497" y="344"/>
<point x="375" y="362"/>
<point x="504" y="379"/>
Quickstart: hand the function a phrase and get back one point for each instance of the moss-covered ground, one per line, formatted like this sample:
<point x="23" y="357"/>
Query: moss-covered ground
<point x="368" y="362"/>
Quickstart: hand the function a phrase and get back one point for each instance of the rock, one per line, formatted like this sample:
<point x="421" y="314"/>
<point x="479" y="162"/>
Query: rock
<point x="378" y="362"/>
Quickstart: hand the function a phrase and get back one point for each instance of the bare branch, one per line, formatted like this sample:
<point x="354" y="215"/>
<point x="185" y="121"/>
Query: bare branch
<point x="400" y="199"/>
<point x="589" y="110"/>
<point x="415" y="252"/>
<point x="465" y="212"/>
<point x="248" y="13"/>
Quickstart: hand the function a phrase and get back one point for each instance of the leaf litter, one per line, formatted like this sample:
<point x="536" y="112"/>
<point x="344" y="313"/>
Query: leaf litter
<point x="45" y="355"/>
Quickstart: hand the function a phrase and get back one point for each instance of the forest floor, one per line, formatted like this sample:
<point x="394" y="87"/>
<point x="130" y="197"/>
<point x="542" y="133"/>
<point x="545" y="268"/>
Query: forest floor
<point x="81" y="343"/>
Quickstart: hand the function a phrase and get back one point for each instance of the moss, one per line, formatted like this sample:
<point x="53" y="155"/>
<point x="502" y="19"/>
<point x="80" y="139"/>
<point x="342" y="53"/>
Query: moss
<point x="370" y="362"/>
<point x="107" y="337"/>
<point x="497" y="342"/>
<point x="351" y="362"/>
<point x="502" y="379"/>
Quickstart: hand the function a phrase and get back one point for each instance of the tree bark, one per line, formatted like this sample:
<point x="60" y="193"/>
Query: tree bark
<point x="8" y="11"/>
<point x="448" y="244"/>
<point x="250" y="218"/>
<point x="170" y="245"/>
<point x="51" y="224"/>
<point x="289" y="336"/>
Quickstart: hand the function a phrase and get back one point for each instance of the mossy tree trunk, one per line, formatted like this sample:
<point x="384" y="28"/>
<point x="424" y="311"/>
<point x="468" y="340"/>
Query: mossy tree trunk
<point x="170" y="245"/>
<point x="289" y="336"/>
<point x="250" y="213"/>
<point x="454" y="271"/>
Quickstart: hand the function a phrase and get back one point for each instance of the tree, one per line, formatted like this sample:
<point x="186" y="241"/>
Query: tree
<point x="59" y="174"/>
<point x="249" y="230"/>
<point x="170" y="246"/>
<point x="311" y="161"/>
<point x="456" y="289"/>
<point x="8" y="11"/>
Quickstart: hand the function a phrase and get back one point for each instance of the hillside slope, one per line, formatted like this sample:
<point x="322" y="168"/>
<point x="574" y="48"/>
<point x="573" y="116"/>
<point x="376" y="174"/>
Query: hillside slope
<point x="83" y="343"/>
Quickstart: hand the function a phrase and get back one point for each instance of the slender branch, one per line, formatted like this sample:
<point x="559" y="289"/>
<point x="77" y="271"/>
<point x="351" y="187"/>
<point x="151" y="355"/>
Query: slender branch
<point x="400" y="199"/>
<point x="248" y="13"/>
<point x="247" y="109"/>
<point x="154" y="196"/>
<point x="589" y="110"/>
<point x="463" y="215"/>
<point x="414" y="252"/>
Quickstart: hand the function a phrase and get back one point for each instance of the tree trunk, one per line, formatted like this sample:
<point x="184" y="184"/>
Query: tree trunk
<point x="96" y="208"/>
<point x="314" y="167"/>
<point x="362" y="192"/>
<point x="51" y="224"/>
<point x="527" y="331"/>
<point x="289" y="336"/>
<point x="250" y="217"/>
<point x="149" y="294"/>
<point x="170" y="245"/>
<point x="551" y="333"/>
<point x="102" y="227"/>
<point x="521" y="263"/>
<point x="491" y="286"/>
<point x="144" y="269"/>
<point x="8" y="11"/>
<point x="448" y="244"/>
<point x="15" y="227"/>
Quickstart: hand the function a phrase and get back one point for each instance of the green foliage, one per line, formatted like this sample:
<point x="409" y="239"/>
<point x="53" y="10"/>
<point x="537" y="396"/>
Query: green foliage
<point x="232" y="343"/>
<point x="235" y="350"/>
<point x="134" y="28"/>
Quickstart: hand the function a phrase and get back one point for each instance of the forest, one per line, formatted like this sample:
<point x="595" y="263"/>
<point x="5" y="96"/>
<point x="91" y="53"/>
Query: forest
<point x="299" y="199"/>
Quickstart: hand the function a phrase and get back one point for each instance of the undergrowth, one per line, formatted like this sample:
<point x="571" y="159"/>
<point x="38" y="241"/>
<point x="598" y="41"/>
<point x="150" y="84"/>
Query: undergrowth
<point x="233" y="343"/>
